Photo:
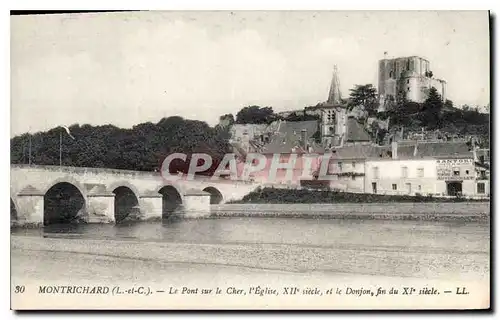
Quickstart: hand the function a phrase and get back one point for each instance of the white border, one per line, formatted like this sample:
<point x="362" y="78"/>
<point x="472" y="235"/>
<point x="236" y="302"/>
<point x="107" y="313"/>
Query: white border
<point x="187" y="5"/>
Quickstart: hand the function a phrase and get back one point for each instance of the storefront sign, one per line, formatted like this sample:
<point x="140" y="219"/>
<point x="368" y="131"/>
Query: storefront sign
<point x="455" y="169"/>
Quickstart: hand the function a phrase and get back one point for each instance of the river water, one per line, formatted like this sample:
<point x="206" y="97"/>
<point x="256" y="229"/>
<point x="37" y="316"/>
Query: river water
<point x="447" y="236"/>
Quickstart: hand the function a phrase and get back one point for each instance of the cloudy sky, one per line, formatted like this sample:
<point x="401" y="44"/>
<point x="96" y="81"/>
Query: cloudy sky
<point x="128" y="68"/>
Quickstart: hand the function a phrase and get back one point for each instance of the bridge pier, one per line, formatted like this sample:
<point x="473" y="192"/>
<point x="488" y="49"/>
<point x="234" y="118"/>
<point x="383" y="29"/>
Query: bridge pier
<point x="101" y="207"/>
<point x="30" y="205"/>
<point x="151" y="206"/>
<point x="196" y="204"/>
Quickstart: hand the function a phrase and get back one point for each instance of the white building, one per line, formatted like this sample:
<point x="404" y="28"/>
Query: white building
<point x="438" y="168"/>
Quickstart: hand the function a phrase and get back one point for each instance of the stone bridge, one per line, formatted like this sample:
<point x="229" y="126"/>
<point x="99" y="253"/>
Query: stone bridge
<point x="53" y="194"/>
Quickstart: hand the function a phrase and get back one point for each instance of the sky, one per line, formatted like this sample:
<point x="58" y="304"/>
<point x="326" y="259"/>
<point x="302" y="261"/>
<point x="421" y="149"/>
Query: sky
<point x="133" y="67"/>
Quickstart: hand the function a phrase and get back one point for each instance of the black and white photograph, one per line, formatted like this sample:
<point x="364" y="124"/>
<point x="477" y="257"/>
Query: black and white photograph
<point x="250" y="160"/>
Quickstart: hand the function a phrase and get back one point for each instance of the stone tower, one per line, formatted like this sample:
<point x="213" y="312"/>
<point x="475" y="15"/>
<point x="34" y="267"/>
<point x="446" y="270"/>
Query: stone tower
<point x="334" y="116"/>
<point x="407" y="78"/>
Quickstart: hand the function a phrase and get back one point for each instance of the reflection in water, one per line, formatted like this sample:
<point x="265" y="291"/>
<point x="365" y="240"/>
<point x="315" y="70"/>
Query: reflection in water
<point x="308" y="232"/>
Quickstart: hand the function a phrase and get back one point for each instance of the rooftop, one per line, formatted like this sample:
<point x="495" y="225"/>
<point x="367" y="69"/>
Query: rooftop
<point x="288" y="136"/>
<point x="356" y="131"/>
<point x="407" y="57"/>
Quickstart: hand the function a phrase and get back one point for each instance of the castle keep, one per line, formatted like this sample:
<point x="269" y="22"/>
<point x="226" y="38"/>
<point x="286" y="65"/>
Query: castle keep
<point x="406" y="78"/>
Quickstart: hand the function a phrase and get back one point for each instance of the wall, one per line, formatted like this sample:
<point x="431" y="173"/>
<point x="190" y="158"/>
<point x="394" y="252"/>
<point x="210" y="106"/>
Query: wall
<point x="253" y="130"/>
<point x="347" y="183"/>
<point x="262" y="176"/>
<point x="390" y="172"/>
<point x="436" y="174"/>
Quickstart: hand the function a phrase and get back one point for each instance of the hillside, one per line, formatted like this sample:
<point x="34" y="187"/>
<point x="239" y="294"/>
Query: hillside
<point x="448" y="120"/>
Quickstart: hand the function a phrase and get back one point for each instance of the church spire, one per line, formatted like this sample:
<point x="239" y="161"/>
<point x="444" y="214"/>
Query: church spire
<point x="334" y="96"/>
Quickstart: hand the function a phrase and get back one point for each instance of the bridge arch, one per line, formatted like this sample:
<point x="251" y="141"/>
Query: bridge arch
<point x="64" y="202"/>
<point x="215" y="195"/>
<point x="124" y="183"/>
<point x="126" y="201"/>
<point x="14" y="210"/>
<point x="172" y="199"/>
<point x="68" y="180"/>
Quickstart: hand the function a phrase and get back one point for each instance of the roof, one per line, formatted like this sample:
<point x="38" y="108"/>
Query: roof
<point x="360" y="152"/>
<point x="325" y="105"/>
<point x="434" y="150"/>
<point x="356" y="131"/>
<point x="405" y="58"/>
<point x="288" y="136"/>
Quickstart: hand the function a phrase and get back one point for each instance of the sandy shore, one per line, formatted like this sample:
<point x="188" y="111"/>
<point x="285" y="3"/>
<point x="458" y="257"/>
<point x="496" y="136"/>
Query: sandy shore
<point x="159" y="266"/>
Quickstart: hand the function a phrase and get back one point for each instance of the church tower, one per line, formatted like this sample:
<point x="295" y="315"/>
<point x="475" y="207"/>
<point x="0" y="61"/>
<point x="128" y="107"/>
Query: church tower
<point x="334" y="96"/>
<point x="334" y="115"/>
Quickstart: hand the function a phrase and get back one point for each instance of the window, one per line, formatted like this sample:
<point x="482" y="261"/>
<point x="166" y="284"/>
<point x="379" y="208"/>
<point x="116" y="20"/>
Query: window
<point x="353" y="177"/>
<point x="408" y="81"/>
<point x="480" y="188"/>
<point x="394" y="186"/>
<point x="353" y="164"/>
<point x="467" y="172"/>
<point x="340" y="166"/>
<point x="420" y="172"/>
<point x="404" y="172"/>
<point x="481" y="159"/>
<point x="456" y="171"/>
<point x="483" y="175"/>
<point x="375" y="172"/>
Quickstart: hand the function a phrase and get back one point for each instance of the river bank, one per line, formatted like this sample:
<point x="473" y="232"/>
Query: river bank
<point x="435" y="211"/>
<point x="270" y="195"/>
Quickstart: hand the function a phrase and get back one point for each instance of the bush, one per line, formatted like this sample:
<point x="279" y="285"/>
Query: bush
<point x="272" y="195"/>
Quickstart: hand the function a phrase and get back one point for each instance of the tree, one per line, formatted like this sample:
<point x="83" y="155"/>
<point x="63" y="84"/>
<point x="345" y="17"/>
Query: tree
<point x="142" y="148"/>
<point x="448" y="104"/>
<point x="256" y="115"/>
<point x="431" y="111"/>
<point x="226" y="120"/>
<point x="302" y="117"/>
<point x="366" y="96"/>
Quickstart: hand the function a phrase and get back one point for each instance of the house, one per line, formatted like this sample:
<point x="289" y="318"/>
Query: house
<point x="292" y="143"/>
<point x="426" y="168"/>
<point x="346" y="169"/>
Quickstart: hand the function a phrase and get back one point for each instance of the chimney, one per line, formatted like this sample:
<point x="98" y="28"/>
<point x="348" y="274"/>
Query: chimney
<point x="394" y="146"/>
<point x="245" y="141"/>
<point x="303" y="137"/>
